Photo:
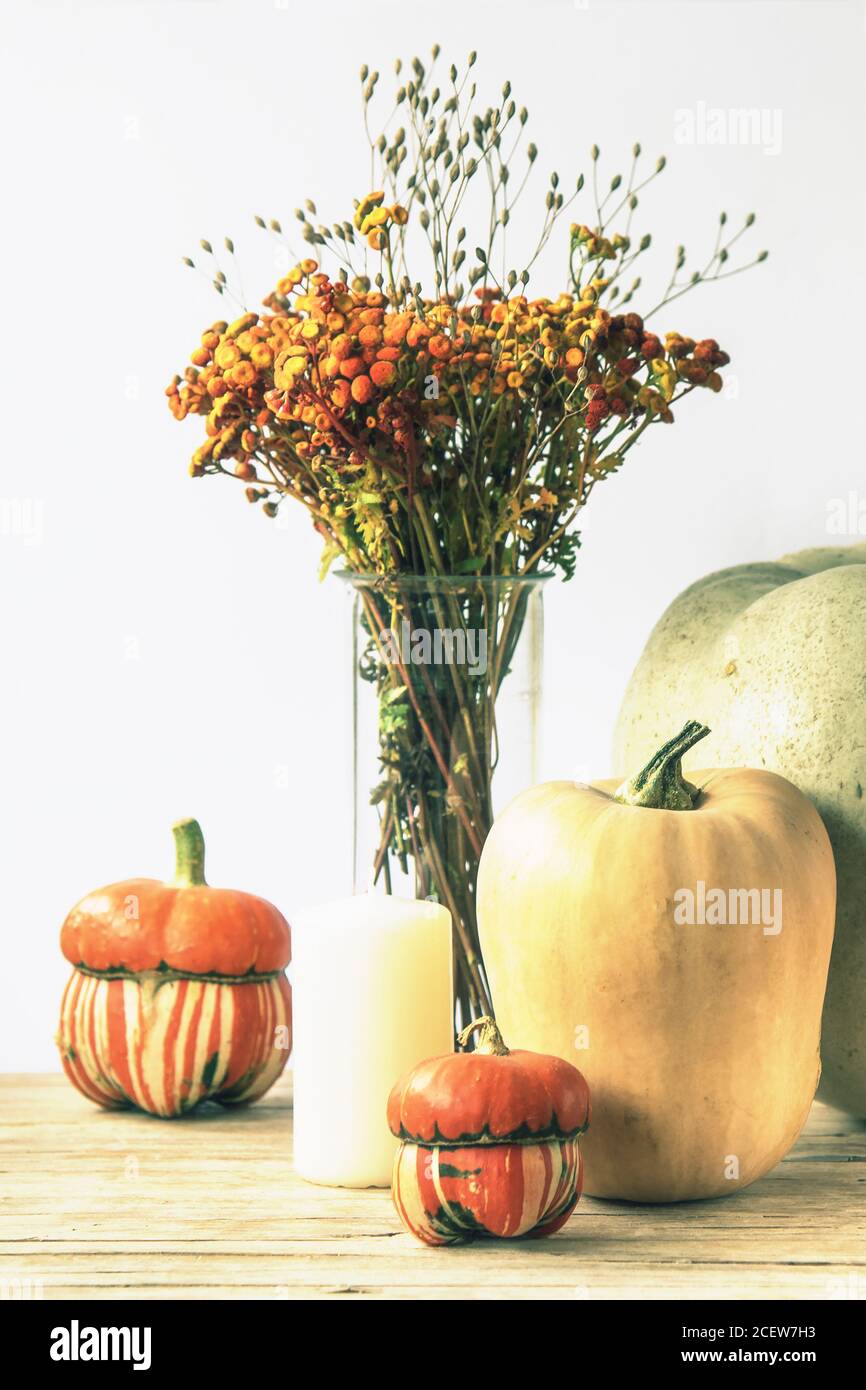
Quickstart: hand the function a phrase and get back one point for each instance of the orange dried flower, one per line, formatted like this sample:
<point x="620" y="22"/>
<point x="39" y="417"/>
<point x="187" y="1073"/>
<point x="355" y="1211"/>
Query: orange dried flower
<point x="352" y="366"/>
<point x="261" y="356"/>
<point x="596" y="412"/>
<point x="383" y="373"/>
<point x="396" y="326"/>
<point x="226" y="355"/>
<point x="362" y="389"/>
<point x="243" y="374"/>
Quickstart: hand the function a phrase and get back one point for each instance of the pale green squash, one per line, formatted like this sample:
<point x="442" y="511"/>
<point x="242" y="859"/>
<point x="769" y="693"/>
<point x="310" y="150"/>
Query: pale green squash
<point x="773" y="658"/>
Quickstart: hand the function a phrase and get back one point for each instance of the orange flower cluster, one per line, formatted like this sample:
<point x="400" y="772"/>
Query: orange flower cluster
<point x="330" y="366"/>
<point x="374" y="221"/>
<point x="357" y="352"/>
<point x="230" y="373"/>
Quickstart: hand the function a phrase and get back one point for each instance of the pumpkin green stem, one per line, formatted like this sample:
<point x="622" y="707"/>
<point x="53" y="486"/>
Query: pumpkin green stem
<point x="661" y="785"/>
<point x="189" y="846"/>
<point x="489" y="1037"/>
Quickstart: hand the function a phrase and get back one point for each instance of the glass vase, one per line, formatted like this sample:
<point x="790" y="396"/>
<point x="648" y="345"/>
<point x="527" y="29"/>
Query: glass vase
<point x="446" y="709"/>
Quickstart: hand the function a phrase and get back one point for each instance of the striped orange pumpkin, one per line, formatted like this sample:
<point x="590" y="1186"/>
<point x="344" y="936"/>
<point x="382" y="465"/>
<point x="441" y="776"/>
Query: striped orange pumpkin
<point x="489" y="1142"/>
<point x="178" y="993"/>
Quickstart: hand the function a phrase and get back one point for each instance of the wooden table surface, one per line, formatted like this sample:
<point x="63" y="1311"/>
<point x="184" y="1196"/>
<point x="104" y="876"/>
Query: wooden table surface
<point x="100" y="1204"/>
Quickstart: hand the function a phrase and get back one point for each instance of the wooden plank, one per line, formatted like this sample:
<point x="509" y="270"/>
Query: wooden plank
<point x="119" y="1205"/>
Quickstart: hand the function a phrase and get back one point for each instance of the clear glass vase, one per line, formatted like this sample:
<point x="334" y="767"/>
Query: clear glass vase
<point x="447" y="721"/>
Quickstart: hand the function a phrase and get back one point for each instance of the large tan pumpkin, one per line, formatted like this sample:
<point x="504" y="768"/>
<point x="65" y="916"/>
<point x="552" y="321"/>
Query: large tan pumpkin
<point x="773" y="656"/>
<point x="699" y="1042"/>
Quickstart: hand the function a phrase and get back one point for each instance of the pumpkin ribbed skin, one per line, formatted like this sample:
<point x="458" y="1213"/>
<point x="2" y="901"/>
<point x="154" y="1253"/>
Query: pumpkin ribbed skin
<point x="178" y="994"/>
<point x="475" y="1097"/>
<point x="447" y="1195"/>
<point x="699" y="1042"/>
<point x="141" y="924"/>
<point x="165" y="1044"/>
<point x="489" y="1142"/>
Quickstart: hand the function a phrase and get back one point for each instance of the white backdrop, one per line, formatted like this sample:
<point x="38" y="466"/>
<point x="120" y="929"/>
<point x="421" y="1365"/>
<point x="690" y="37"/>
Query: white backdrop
<point x="170" y="652"/>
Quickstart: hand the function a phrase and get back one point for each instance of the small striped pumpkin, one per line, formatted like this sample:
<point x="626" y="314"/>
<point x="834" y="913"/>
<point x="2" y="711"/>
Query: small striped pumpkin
<point x="178" y="994"/>
<point x="489" y="1142"/>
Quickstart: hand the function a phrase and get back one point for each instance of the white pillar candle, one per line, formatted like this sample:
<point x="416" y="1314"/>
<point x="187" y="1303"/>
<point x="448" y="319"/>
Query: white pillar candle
<point x="371" y="997"/>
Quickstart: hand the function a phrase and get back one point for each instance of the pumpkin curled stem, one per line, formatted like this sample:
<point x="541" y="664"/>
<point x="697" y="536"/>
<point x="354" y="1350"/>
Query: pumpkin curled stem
<point x="189" y="849"/>
<point x="661" y="785"/>
<point x="489" y="1039"/>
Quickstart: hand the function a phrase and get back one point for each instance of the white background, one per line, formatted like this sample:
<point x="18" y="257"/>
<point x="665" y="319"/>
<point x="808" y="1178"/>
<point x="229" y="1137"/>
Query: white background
<point x="168" y="651"/>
